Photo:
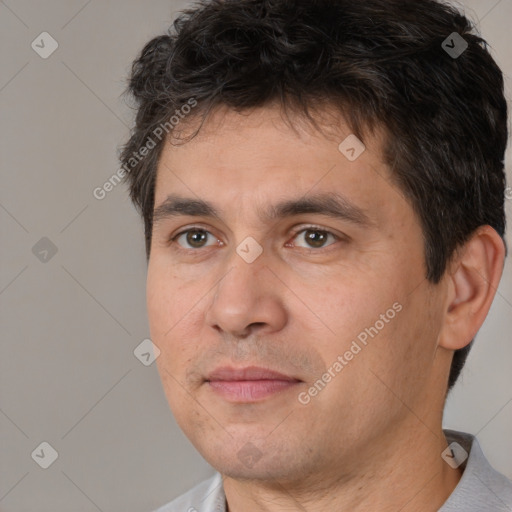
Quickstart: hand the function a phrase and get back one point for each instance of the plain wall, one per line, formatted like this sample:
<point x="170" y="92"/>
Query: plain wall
<point x="68" y="375"/>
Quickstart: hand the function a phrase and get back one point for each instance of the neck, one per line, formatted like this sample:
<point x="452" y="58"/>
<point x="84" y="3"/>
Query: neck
<point x="401" y="472"/>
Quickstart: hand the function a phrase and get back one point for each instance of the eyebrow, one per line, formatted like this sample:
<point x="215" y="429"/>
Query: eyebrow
<point x="329" y="204"/>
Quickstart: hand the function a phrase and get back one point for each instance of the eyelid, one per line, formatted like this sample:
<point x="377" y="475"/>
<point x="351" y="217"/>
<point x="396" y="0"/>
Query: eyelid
<point x="295" y="232"/>
<point x="173" y="237"/>
<point x="313" y="227"/>
<point x="305" y="227"/>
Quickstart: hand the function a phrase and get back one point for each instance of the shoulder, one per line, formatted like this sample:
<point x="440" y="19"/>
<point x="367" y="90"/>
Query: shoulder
<point x="208" y="496"/>
<point x="481" y="487"/>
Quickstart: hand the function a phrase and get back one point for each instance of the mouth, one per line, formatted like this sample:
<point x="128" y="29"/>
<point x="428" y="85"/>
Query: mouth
<point x="249" y="384"/>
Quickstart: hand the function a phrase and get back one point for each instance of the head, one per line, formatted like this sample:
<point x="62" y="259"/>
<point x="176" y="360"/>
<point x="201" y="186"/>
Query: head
<point x="237" y="162"/>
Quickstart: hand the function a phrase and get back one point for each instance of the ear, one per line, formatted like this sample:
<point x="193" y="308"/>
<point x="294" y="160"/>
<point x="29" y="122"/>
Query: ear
<point x="473" y="278"/>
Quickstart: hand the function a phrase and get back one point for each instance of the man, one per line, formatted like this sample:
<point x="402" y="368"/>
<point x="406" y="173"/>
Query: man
<point x="322" y="188"/>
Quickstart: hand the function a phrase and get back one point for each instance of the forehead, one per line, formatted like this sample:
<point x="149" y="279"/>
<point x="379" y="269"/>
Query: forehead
<point x="237" y="158"/>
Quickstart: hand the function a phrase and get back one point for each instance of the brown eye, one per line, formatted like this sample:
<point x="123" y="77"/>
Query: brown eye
<point x="193" y="238"/>
<point x="315" y="238"/>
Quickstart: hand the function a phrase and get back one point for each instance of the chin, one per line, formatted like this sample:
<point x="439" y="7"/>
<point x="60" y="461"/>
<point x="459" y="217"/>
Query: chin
<point x="244" y="459"/>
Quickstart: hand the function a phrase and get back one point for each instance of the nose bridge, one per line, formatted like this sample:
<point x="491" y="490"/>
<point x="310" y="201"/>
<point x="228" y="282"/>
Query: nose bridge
<point x="244" y="280"/>
<point x="245" y="295"/>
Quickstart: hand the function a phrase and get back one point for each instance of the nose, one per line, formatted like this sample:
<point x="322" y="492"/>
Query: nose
<point x="248" y="300"/>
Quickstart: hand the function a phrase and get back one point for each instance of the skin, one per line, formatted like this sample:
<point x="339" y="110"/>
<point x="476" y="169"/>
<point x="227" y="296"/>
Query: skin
<point x="371" y="439"/>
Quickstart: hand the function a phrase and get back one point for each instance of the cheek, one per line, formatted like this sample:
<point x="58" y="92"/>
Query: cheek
<point x="163" y="298"/>
<point x="365" y="316"/>
<point x="403" y="356"/>
<point x="163" y="312"/>
<point x="174" y="316"/>
<point x="347" y="304"/>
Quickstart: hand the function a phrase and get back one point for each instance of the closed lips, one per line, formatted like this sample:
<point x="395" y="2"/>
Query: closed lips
<point x="251" y="373"/>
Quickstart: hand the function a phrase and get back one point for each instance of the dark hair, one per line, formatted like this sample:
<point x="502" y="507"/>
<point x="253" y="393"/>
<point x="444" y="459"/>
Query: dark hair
<point x="380" y="63"/>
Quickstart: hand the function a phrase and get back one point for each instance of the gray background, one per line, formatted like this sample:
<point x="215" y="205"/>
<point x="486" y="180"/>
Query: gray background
<point x="68" y="375"/>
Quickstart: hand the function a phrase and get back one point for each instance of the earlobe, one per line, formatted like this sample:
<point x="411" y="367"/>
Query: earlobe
<point x="472" y="284"/>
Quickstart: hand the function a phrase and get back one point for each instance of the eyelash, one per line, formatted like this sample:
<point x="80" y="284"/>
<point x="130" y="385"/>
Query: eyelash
<point x="172" y="240"/>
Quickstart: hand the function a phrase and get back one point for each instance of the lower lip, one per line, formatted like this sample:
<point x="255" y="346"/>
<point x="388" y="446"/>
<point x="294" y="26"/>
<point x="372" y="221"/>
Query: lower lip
<point x="249" y="390"/>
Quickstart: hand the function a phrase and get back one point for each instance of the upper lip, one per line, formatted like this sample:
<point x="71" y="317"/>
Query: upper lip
<point x="228" y="373"/>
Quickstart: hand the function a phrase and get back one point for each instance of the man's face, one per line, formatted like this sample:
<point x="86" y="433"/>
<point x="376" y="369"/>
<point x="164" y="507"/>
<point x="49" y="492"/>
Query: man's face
<point x="338" y="305"/>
